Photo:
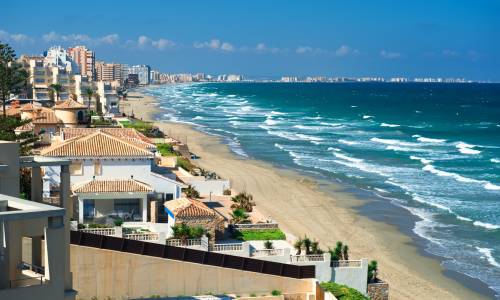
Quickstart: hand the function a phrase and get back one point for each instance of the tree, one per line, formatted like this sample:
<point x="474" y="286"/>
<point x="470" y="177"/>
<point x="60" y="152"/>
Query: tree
<point x="182" y="232"/>
<point x="268" y="245"/>
<point x="372" y="271"/>
<point x="56" y="88"/>
<point x="336" y="254"/>
<point x="12" y="76"/>
<point x="191" y="192"/>
<point x="26" y="139"/>
<point x="307" y="245"/>
<point x="345" y="252"/>
<point x="98" y="107"/>
<point x="89" y="92"/>
<point x="239" y="216"/>
<point x="315" y="249"/>
<point x="298" y="246"/>
<point x="243" y="201"/>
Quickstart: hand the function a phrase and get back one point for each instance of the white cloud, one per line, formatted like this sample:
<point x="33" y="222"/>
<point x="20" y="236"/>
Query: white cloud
<point x="261" y="47"/>
<point x="303" y="50"/>
<point x="227" y="47"/>
<point x="163" y="44"/>
<point x="215" y="44"/>
<point x="14" y="37"/>
<point x="390" y="55"/>
<point x="110" y="39"/>
<point x="345" y="50"/>
<point x="143" y="41"/>
<point x="78" y="38"/>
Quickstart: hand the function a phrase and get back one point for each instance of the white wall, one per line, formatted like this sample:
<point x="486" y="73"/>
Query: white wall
<point x="204" y="187"/>
<point x="355" y="277"/>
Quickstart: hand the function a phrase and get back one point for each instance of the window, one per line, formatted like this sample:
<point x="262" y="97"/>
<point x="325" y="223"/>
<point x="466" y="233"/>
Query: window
<point x="97" y="168"/>
<point x="76" y="168"/>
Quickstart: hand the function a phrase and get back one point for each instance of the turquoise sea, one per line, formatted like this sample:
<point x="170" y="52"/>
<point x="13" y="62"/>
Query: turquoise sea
<point x="432" y="149"/>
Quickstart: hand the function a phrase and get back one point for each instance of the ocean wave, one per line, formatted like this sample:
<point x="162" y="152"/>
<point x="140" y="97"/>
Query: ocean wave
<point x="392" y="142"/>
<point x="429" y="140"/>
<point x="270" y="122"/>
<point x="491" y="186"/>
<point x="333" y="149"/>
<point x="389" y="125"/>
<point x="465" y="148"/>
<point x="459" y="217"/>
<point x="331" y="124"/>
<point x="198" y="118"/>
<point x="430" y="203"/>
<point x="277" y="113"/>
<point x="305" y="137"/>
<point x="487" y="253"/>
<point x="457" y="177"/>
<point x="421" y="159"/>
<point x="368" y="117"/>
<point x="486" y="225"/>
<point x="368" y="168"/>
<point x="495" y="160"/>
<point x="350" y="143"/>
<point x="235" y="123"/>
<point x="348" y="158"/>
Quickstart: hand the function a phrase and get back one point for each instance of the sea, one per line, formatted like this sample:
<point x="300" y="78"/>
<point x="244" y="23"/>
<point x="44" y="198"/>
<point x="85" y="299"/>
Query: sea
<point x="431" y="149"/>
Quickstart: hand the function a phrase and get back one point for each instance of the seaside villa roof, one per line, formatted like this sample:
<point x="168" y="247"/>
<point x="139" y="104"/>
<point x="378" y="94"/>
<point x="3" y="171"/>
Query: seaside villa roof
<point x="189" y="208"/>
<point x="69" y="104"/>
<point x="128" y="134"/>
<point x="113" y="186"/>
<point x="97" y="145"/>
<point x="45" y="115"/>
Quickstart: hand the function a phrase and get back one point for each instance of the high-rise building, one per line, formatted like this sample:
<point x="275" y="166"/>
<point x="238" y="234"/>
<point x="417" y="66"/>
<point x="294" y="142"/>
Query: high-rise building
<point x="85" y="59"/>
<point x="58" y="57"/>
<point x="108" y="71"/>
<point x="142" y="71"/>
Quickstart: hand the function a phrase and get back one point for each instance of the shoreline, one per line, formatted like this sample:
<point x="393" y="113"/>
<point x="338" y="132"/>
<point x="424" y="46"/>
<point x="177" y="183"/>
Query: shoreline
<point x="328" y="212"/>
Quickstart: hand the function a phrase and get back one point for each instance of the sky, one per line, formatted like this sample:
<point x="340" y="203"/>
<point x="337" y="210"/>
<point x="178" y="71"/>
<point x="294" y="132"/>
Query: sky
<point x="259" y="39"/>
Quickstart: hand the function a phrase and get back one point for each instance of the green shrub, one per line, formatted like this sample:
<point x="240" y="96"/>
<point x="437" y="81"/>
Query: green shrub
<point x="95" y="225"/>
<point x="276" y="293"/>
<point x="118" y="222"/>
<point x="166" y="149"/>
<point x="259" y="235"/>
<point x="185" y="164"/>
<point x="343" y="292"/>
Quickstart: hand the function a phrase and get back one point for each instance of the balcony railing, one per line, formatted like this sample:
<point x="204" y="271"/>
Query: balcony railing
<point x="149" y="236"/>
<point x="346" y="264"/>
<point x="269" y="252"/>
<point x="101" y="231"/>
<point x="307" y="258"/>
<point x="185" y="243"/>
<point x="226" y="247"/>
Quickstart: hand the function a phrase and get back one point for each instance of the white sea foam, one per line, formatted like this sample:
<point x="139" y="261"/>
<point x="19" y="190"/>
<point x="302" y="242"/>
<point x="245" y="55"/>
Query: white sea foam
<point x="348" y="158"/>
<point x="463" y="218"/>
<point x="433" y="204"/>
<point x="368" y="117"/>
<point x="369" y="168"/>
<point x="277" y="113"/>
<point x="281" y="147"/>
<point x="465" y="148"/>
<point x="389" y="125"/>
<point x="198" y="118"/>
<point x="487" y="253"/>
<point x="305" y="137"/>
<point x="333" y="149"/>
<point x="457" y="177"/>
<point x="381" y="190"/>
<point x="495" y="160"/>
<point x="331" y="124"/>
<point x="491" y="186"/>
<point x="397" y="148"/>
<point x="486" y="225"/>
<point x="235" y="123"/>
<point x="271" y="122"/>
<point x="350" y="143"/>
<point x="354" y="106"/>
<point x="392" y="142"/>
<point x="421" y="159"/>
<point x="429" y="140"/>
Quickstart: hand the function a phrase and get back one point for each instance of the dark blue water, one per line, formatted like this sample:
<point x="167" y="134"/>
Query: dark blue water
<point x="433" y="149"/>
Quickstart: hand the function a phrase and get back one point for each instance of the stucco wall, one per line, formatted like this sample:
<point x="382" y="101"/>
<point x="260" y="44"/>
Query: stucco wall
<point x="354" y="277"/>
<point x="103" y="273"/>
<point x="9" y="175"/>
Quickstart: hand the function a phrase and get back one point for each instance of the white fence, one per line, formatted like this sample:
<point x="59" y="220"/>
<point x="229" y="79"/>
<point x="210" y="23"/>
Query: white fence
<point x="186" y="243"/>
<point x="101" y="231"/>
<point x="148" y="236"/>
<point x="307" y="258"/>
<point x="346" y="264"/>
<point x="269" y="252"/>
<point x="226" y="247"/>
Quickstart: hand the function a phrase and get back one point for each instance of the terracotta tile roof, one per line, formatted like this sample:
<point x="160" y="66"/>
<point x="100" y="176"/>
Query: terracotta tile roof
<point x="97" y="144"/>
<point x="28" y="107"/>
<point x="189" y="208"/>
<point x="26" y="127"/>
<point x="113" y="186"/>
<point x="129" y="134"/>
<point x="45" y="115"/>
<point x="69" y="104"/>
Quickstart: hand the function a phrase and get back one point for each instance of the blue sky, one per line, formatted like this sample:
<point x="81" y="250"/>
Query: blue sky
<point x="271" y="38"/>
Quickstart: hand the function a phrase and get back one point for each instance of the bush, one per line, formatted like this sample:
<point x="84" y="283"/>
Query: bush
<point x="166" y="149"/>
<point x="259" y="235"/>
<point x="81" y="226"/>
<point x="185" y="164"/>
<point x="95" y="225"/>
<point x="276" y="293"/>
<point x="118" y="222"/>
<point x="227" y="192"/>
<point x="343" y="292"/>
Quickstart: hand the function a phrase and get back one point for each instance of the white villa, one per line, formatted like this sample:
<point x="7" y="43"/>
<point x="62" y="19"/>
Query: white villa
<point x="111" y="174"/>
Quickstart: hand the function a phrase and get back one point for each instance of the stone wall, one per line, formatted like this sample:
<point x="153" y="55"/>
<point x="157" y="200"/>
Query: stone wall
<point x="214" y="225"/>
<point x="378" y="291"/>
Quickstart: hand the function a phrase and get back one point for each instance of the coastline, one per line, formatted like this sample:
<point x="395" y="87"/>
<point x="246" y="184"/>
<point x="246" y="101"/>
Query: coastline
<point x="325" y="211"/>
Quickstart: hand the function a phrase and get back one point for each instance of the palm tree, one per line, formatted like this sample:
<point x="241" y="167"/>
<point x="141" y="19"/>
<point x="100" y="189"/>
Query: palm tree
<point x="345" y="252"/>
<point x="372" y="271"/>
<point x="307" y="245"/>
<point x="56" y="88"/>
<point x="89" y="92"/>
<point x="191" y="192"/>
<point x="298" y="246"/>
<point x="239" y="216"/>
<point x="315" y="249"/>
<point x="243" y="201"/>
<point x="268" y="245"/>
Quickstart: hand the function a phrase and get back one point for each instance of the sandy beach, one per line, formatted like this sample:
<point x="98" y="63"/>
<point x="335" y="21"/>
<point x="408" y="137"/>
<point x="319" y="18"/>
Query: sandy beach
<point x="301" y="208"/>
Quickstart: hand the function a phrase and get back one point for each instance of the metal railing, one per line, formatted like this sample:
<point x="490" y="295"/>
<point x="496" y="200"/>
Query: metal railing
<point x="226" y="247"/>
<point x="346" y="264"/>
<point x="256" y="226"/>
<point x="101" y="231"/>
<point x="269" y="252"/>
<point x="29" y="281"/>
<point x="307" y="258"/>
<point x="148" y="236"/>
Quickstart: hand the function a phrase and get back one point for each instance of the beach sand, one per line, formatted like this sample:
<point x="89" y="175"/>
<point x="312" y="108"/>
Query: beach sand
<point x="301" y="208"/>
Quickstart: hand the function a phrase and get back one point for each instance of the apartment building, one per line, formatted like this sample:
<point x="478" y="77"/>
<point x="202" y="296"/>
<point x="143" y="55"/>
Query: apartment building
<point x="85" y="59"/>
<point x="142" y="71"/>
<point x="108" y="71"/>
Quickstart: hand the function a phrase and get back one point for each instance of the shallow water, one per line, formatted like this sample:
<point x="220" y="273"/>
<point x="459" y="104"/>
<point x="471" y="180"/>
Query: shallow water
<point x="433" y="149"/>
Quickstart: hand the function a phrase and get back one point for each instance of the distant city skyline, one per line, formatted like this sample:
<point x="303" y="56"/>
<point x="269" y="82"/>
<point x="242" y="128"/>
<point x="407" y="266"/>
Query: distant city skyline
<point x="447" y="39"/>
